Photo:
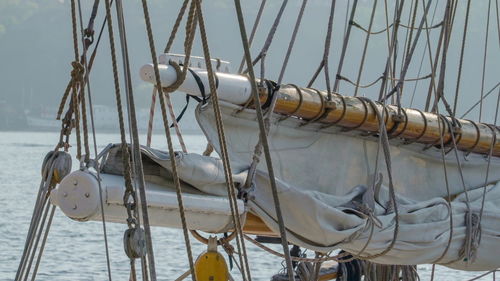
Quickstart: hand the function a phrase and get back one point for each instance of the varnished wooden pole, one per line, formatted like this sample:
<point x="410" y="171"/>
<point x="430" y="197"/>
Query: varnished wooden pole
<point x="360" y="114"/>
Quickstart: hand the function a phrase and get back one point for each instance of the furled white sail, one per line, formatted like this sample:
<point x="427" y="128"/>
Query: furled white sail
<point x="324" y="172"/>
<point x="328" y="201"/>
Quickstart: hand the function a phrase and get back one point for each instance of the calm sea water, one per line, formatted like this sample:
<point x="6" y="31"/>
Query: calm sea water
<point x="75" y="250"/>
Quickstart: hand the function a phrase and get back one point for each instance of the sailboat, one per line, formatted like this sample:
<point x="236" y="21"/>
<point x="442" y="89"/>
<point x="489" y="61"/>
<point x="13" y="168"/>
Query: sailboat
<point x="387" y="185"/>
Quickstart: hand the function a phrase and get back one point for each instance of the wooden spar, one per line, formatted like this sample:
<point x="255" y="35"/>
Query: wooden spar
<point x="256" y="226"/>
<point x="353" y="113"/>
<point x="359" y="114"/>
<point x="208" y="213"/>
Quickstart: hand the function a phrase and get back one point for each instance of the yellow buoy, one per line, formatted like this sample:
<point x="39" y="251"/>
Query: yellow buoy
<point x="211" y="265"/>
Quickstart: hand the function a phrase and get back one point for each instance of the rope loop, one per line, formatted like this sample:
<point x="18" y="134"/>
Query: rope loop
<point x="301" y="100"/>
<point x="344" y="110"/>
<point x="476" y="142"/>
<point x="456" y="130"/>
<point x="181" y="76"/>
<point x="364" y="102"/>
<point x="398" y="119"/>
<point x="424" y="118"/>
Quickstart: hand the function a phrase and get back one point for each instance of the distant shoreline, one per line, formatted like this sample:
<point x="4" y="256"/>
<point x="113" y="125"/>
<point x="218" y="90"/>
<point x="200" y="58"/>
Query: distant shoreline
<point x="107" y="131"/>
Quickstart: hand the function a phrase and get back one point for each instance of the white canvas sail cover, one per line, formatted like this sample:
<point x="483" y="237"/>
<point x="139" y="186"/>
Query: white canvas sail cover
<point x="323" y="179"/>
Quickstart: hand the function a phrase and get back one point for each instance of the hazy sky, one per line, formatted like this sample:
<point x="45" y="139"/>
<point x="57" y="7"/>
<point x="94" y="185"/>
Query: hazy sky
<point x="36" y="47"/>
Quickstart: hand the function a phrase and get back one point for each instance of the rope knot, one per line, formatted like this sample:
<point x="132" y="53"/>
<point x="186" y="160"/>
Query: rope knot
<point x="77" y="72"/>
<point x="364" y="209"/>
<point x="472" y="237"/>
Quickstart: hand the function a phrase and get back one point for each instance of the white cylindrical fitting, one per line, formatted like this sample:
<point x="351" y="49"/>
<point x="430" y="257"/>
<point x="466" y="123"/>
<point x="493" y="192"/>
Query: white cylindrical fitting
<point x="78" y="197"/>
<point x="232" y="88"/>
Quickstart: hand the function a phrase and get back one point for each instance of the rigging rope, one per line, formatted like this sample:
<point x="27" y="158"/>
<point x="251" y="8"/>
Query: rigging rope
<point x="167" y="93"/>
<point x="290" y="46"/>
<point x="498" y="21"/>
<point x="384" y="143"/>
<point x="152" y="107"/>
<point x="462" y="51"/>
<point x="471" y="236"/>
<point x="175" y="28"/>
<point x="392" y="48"/>
<point x="479" y="101"/>
<point x="56" y="165"/>
<point x="223" y="146"/>
<point x="254" y="30"/>
<point x="336" y="258"/>
<point x="382" y="77"/>
<point x="392" y="67"/>
<point x="153" y="95"/>
<point x="448" y="194"/>
<point x="326" y="53"/>
<point x="42" y="246"/>
<point x="409" y="56"/>
<point x="258" y="150"/>
<point x="85" y="34"/>
<point x="484" y="60"/>
<point x="190" y="24"/>
<point x="409" y="27"/>
<point x="87" y="38"/>
<point x="79" y="76"/>
<point x="129" y="197"/>
<point x="344" y="46"/>
<point x="76" y="100"/>
<point x="134" y="245"/>
<point x="77" y="81"/>
<point x="409" y="37"/>
<point x="493" y="141"/>
<point x="365" y="48"/>
<point x="270" y="37"/>
<point x="428" y="48"/>
<point x="446" y="34"/>
<point x="263" y="138"/>
<point x="274" y="98"/>
<point x="434" y="63"/>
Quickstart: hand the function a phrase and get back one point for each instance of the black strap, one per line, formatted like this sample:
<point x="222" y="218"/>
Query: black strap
<point x="272" y="88"/>
<point x="203" y="100"/>
<point x="182" y="112"/>
<point x="201" y="87"/>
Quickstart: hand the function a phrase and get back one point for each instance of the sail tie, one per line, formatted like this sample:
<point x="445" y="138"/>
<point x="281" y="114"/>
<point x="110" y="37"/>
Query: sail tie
<point x="472" y="239"/>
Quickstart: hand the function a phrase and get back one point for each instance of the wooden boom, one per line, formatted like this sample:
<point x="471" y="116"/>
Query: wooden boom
<point x="361" y="114"/>
<point x="353" y="113"/>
